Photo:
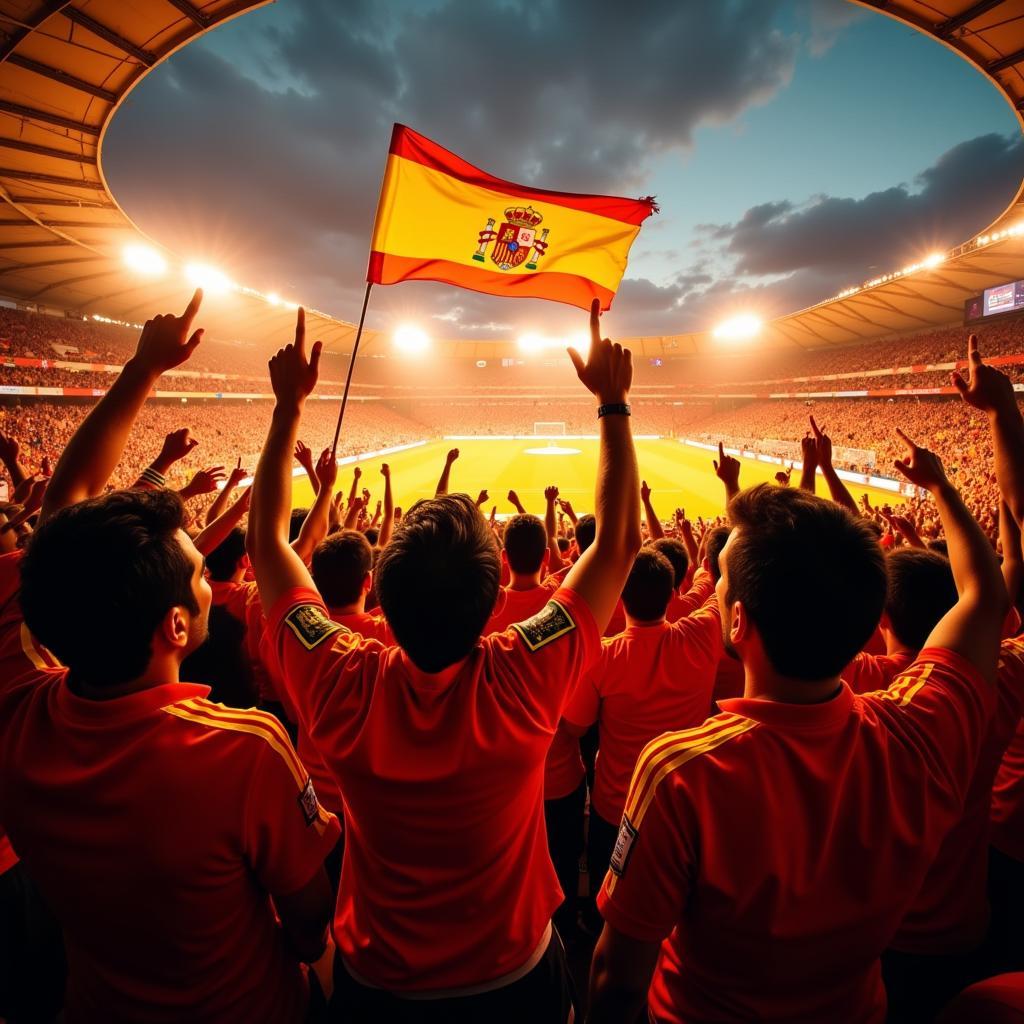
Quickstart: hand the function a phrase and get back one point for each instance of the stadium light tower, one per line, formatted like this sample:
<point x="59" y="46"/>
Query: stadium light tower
<point x="144" y="260"/>
<point x="210" y="279"/>
<point x="738" y="328"/>
<point x="411" y="340"/>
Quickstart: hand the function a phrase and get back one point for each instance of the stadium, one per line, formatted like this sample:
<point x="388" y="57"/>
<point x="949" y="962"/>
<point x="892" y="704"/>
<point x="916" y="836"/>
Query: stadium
<point x="809" y="401"/>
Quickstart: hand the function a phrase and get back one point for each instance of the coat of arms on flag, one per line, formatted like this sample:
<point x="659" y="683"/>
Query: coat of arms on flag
<point x="515" y="241"/>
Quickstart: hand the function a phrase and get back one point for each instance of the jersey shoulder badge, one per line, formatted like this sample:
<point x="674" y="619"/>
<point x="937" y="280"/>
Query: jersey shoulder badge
<point x="309" y="803"/>
<point x="311" y="626"/>
<point x="551" y="622"/>
<point x="623" y="847"/>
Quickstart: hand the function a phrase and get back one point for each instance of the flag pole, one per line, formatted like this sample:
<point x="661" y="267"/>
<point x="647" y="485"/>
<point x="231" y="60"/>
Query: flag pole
<point x="351" y="367"/>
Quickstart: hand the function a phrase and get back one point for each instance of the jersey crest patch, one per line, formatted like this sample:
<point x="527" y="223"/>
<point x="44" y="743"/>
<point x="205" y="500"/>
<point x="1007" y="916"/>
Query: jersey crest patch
<point x="310" y="626"/>
<point x="309" y="803"/>
<point x="623" y="847"/>
<point x="551" y="622"/>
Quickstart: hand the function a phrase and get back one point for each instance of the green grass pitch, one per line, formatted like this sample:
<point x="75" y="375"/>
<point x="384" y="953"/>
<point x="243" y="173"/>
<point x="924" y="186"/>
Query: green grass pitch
<point x="679" y="475"/>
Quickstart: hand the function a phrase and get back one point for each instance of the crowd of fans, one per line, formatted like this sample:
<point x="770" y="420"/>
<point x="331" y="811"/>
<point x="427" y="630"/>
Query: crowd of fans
<point x="339" y="764"/>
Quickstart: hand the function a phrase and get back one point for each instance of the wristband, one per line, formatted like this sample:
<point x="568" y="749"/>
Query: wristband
<point x="614" y="409"/>
<point x="153" y="477"/>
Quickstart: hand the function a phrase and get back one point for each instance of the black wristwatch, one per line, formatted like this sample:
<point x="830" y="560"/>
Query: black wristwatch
<point x="614" y="409"/>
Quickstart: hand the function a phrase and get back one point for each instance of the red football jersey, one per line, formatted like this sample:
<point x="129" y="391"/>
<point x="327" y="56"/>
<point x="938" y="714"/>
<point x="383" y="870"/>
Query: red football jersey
<point x="650" y="680"/>
<point x="776" y="848"/>
<point x="870" y="672"/>
<point x="446" y="881"/>
<point x="516" y="605"/>
<point x="1008" y="799"/>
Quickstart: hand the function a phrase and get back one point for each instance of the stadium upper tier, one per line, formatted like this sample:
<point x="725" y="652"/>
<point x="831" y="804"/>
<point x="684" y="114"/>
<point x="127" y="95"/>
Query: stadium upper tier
<point x="67" y="66"/>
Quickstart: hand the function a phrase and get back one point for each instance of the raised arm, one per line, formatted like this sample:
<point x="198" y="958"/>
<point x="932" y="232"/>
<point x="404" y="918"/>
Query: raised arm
<point x="566" y="507"/>
<point x="654" y="527"/>
<point x="315" y="525"/>
<point x="1009" y="541"/>
<point x="97" y="445"/>
<point x="217" y="531"/>
<point x="304" y="457"/>
<point x="809" y="453"/>
<point x="388" y="523"/>
<point x="235" y="477"/>
<point x="442" y="484"/>
<point x="278" y="568"/>
<point x="514" y="501"/>
<point x="555" y="561"/>
<point x="727" y="469"/>
<point x="972" y="627"/>
<point x="601" y="571"/>
<point x="177" y="444"/>
<point x="10" y="449"/>
<point x="823" y="453"/>
<point x="991" y="391"/>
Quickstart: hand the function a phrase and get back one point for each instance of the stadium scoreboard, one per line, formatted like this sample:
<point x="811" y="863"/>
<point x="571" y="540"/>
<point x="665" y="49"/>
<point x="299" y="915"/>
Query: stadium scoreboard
<point x="995" y="301"/>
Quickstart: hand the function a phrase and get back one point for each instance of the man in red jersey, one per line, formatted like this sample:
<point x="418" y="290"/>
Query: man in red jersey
<point x="178" y="842"/>
<point x="524" y="549"/>
<point x="766" y="858"/>
<point x="652" y="677"/>
<point x="447" y="889"/>
<point x="342" y="572"/>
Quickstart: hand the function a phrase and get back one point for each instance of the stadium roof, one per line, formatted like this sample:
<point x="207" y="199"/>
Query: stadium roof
<point x="65" y="68"/>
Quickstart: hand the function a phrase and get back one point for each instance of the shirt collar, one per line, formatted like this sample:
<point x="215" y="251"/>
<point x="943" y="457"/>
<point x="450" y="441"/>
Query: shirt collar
<point x="122" y="709"/>
<point x="829" y="714"/>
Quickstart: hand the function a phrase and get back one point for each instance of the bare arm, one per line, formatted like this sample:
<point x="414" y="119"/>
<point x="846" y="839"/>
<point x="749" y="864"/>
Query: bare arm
<point x="96" y="447"/>
<point x="1013" y="566"/>
<point x="810" y="464"/>
<point x="620" y="975"/>
<point x="304" y="457"/>
<point x="654" y="527"/>
<point x="388" y="524"/>
<point x="516" y="503"/>
<point x="823" y="452"/>
<point x="727" y="469"/>
<point x="9" y="452"/>
<point x="599" y="574"/>
<point x="235" y="477"/>
<point x="567" y="508"/>
<point x="314" y="526"/>
<point x="217" y="531"/>
<point x="554" y="554"/>
<point x="278" y="568"/>
<point x="992" y="392"/>
<point x="442" y="484"/>
<point x="972" y="627"/>
<point x="177" y="444"/>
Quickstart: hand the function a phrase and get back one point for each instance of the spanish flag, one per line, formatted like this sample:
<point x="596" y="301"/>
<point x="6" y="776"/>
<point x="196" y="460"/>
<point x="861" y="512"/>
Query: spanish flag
<point x="442" y="219"/>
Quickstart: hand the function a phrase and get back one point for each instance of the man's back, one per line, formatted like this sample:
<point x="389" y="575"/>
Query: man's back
<point x="446" y="881"/>
<point x="784" y="842"/>
<point x="156" y="824"/>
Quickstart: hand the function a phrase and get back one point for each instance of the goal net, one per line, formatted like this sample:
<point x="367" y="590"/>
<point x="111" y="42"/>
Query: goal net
<point x="544" y="428"/>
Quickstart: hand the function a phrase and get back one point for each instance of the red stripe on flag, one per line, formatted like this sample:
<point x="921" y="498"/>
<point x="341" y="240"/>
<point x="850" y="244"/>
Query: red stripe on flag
<point x="579" y="291"/>
<point x="412" y="146"/>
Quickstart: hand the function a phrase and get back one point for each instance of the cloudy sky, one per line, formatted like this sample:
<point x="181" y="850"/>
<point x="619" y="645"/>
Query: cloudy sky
<point x="796" y="146"/>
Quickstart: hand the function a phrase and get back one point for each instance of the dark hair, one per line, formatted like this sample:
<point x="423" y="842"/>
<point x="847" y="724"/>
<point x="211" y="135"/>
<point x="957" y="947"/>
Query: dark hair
<point x="437" y="580"/>
<point x="939" y="547"/>
<point x="810" y="576"/>
<point x="372" y="535"/>
<point x="563" y="544"/>
<point x="525" y="542"/>
<point x="649" y="586"/>
<point x="99" y="576"/>
<point x="586" y="529"/>
<point x="921" y="591"/>
<point x="222" y="561"/>
<point x="340" y="564"/>
<point x="675" y="551"/>
<point x="222" y="662"/>
<point x="295" y="521"/>
<point x="716" y="540"/>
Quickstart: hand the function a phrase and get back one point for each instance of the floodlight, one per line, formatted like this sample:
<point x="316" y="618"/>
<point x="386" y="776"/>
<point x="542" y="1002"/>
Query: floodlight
<point x="144" y="260"/>
<point x="738" y="328"/>
<point x="934" y="259"/>
<point x="411" y="340"/>
<point x="531" y="342"/>
<point x="210" y="279"/>
<point x="274" y="299"/>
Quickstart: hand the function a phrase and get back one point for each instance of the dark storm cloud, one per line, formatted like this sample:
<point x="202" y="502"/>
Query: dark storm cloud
<point x="960" y="194"/>
<point x="282" y="128"/>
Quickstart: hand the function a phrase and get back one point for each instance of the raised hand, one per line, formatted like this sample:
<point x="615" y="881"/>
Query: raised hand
<point x="165" y="341"/>
<point x="366" y="496"/>
<point x="10" y="448"/>
<point x="204" y="482"/>
<point x="452" y="456"/>
<point x="514" y="501"/>
<point x="607" y="371"/>
<point x="292" y="375"/>
<point x="326" y="469"/>
<point x="385" y="471"/>
<point x="986" y="388"/>
<point x="809" y="450"/>
<point x="357" y="472"/>
<point x="727" y="469"/>
<point x="551" y="493"/>
<point x="177" y="444"/>
<point x="822" y="445"/>
<point x="645" y="491"/>
<point x="921" y="467"/>
<point x="304" y="456"/>
<point x="482" y="497"/>
<point x="237" y="474"/>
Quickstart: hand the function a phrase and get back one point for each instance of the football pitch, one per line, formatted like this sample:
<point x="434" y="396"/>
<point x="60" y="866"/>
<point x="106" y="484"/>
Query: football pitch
<point x="679" y="475"/>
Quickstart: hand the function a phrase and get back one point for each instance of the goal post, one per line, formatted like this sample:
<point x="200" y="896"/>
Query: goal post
<point x="549" y="428"/>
